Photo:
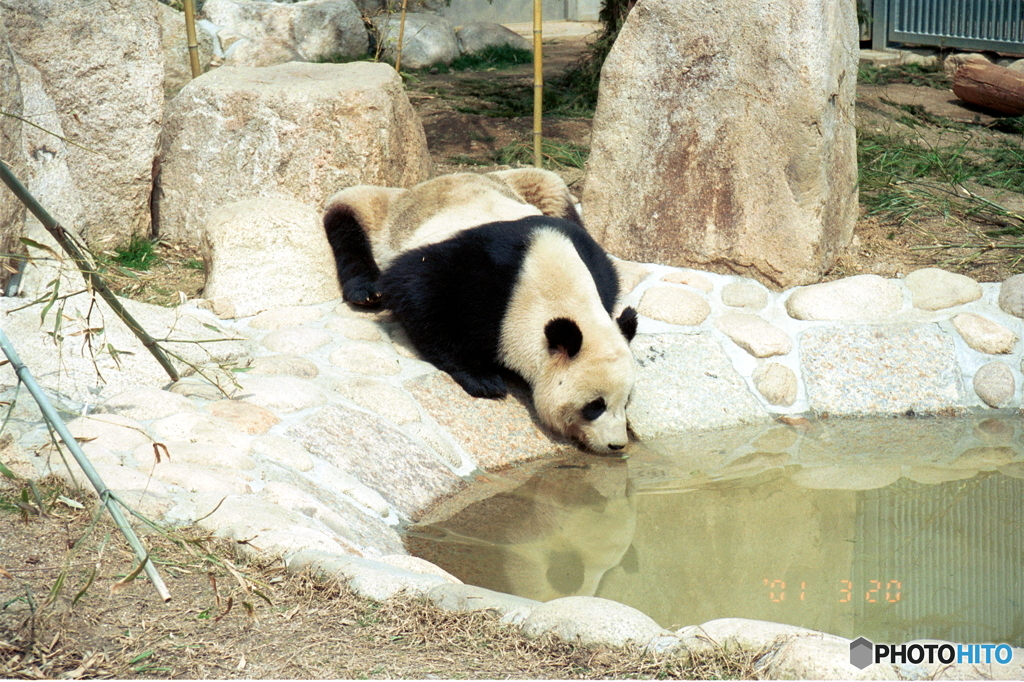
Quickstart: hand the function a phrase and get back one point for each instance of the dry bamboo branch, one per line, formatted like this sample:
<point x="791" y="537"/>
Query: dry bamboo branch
<point x="190" y="33"/>
<point x="106" y="497"/>
<point x="90" y="274"/>
<point x="538" y="84"/>
<point x="401" y="38"/>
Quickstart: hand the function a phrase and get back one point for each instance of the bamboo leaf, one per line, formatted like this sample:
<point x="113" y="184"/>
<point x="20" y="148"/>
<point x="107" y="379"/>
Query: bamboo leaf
<point x="7" y="473"/>
<point x="141" y="657"/>
<point x="231" y="602"/>
<point x="121" y="584"/>
<point x="42" y="247"/>
<point x="74" y="504"/>
<point x="85" y="588"/>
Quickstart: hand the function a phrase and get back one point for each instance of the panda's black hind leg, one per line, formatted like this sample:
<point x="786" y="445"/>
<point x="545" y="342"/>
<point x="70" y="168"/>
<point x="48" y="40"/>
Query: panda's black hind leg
<point x="480" y="385"/>
<point x="353" y="257"/>
<point x="361" y="291"/>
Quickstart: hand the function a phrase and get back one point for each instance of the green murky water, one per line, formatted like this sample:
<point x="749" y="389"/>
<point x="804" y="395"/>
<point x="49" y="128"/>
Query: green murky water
<point x="894" y="529"/>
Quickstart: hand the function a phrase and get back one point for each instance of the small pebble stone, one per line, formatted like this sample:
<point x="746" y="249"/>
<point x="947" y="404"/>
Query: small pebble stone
<point x="994" y="383"/>
<point x="630" y="275"/>
<point x="196" y="427"/>
<point x="365" y="357"/>
<point x="984" y="335"/>
<point x="292" y="365"/>
<point x="861" y="297"/>
<point x="674" y="305"/>
<point x="204" y="454"/>
<point x="296" y="340"/>
<point x="289" y="316"/>
<point x="354" y="328"/>
<point x="936" y="289"/>
<point x="380" y="398"/>
<point x="777" y="383"/>
<point x="146" y="403"/>
<point x="1011" y="296"/>
<point x="200" y="388"/>
<point x="281" y="393"/>
<point x="744" y="295"/>
<point x="693" y="279"/>
<point x="246" y="417"/>
<point x="283" y="451"/>
<point x="111" y="431"/>
<point x="198" y="478"/>
<point x="754" y="335"/>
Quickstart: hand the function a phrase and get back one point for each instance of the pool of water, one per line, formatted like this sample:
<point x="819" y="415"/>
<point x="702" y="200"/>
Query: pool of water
<point x="893" y="529"/>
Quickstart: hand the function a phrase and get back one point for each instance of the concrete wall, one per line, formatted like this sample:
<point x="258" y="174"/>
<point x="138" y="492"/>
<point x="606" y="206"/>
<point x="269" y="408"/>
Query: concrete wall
<point x="519" y="11"/>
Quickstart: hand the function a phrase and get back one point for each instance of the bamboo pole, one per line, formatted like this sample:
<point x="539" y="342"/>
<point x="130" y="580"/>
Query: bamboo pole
<point x="538" y="85"/>
<point x="401" y="38"/>
<point x="190" y="33"/>
<point x="91" y="276"/>
<point x="106" y="497"/>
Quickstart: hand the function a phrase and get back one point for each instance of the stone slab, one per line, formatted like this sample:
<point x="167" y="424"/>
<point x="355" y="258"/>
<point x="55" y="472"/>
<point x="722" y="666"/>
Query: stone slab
<point x="860" y="370"/>
<point x="686" y="382"/>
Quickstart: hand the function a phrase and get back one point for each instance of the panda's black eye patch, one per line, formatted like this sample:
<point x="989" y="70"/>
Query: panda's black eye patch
<point x="593" y="409"/>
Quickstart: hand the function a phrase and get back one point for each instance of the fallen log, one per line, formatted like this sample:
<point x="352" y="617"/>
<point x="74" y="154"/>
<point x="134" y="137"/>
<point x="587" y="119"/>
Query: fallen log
<point x="990" y="86"/>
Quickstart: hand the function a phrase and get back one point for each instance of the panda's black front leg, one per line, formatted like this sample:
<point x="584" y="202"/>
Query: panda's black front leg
<point x="357" y="270"/>
<point x="480" y="384"/>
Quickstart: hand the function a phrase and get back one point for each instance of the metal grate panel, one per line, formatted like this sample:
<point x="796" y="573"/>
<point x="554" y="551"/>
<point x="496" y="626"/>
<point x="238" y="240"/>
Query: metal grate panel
<point x="971" y="24"/>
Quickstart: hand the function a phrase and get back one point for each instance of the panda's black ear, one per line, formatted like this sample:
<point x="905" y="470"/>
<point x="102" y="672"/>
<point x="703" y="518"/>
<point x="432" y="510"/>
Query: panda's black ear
<point x="564" y="336"/>
<point x="627" y="323"/>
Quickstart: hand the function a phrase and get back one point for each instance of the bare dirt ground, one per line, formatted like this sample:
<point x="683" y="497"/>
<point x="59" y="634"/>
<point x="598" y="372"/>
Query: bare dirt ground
<point x="61" y="614"/>
<point x="66" y="612"/>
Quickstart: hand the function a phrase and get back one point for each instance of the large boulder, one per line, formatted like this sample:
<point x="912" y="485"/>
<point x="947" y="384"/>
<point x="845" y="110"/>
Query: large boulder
<point x="428" y="39"/>
<point x="304" y="130"/>
<point x="733" y="151"/>
<point x="275" y="242"/>
<point x="477" y="36"/>
<point x="267" y="33"/>
<point x="100" y="68"/>
<point x="12" y="212"/>
<point x="45" y="170"/>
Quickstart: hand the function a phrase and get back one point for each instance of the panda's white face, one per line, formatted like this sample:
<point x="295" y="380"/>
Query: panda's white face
<point x="585" y="397"/>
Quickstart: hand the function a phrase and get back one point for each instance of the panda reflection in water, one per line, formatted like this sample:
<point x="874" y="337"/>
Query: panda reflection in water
<point x="496" y="272"/>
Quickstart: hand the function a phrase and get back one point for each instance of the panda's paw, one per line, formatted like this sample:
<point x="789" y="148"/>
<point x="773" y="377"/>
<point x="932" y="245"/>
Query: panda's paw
<point x="481" y="385"/>
<point x="362" y="291"/>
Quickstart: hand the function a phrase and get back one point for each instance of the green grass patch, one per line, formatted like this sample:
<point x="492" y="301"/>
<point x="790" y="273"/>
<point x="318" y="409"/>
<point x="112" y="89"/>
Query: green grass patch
<point x="912" y="74"/>
<point x="138" y="254"/>
<point x="464" y="160"/>
<point x="493" y="57"/>
<point x="903" y="178"/>
<point x="501" y="99"/>
<point x="555" y="154"/>
<point x="918" y="115"/>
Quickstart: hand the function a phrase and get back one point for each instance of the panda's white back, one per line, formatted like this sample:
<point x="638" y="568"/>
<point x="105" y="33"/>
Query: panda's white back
<point x="438" y="209"/>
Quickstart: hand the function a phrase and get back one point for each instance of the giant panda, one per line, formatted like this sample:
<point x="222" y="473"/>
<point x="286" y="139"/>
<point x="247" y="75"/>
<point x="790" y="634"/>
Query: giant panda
<point x="495" y="272"/>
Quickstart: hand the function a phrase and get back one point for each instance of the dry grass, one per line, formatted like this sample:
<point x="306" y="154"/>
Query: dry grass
<point x="60" y="617"/>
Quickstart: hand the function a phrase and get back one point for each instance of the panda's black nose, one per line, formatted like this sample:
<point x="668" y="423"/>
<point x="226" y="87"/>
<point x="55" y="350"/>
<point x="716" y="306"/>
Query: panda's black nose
<point x="612" y="446"/>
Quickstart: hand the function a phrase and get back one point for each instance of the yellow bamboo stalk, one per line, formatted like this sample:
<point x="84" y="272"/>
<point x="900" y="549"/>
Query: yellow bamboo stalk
<point x="538" y="85"/>
<point x="401" y="38"/>
<point x="190" y="34"/>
